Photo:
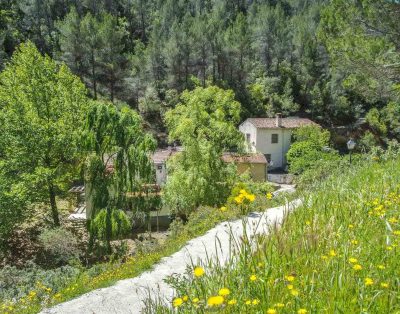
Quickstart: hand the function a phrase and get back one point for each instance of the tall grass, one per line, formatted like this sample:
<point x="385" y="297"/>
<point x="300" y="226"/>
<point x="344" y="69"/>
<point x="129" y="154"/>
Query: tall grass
<point x="337" y="253"/>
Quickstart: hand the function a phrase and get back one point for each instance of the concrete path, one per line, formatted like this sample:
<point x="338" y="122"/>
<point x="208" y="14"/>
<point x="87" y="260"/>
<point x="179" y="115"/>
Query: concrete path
<point x="127" y="296"/>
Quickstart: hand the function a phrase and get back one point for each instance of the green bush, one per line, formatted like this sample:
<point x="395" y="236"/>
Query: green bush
<point x="61" y="245"/>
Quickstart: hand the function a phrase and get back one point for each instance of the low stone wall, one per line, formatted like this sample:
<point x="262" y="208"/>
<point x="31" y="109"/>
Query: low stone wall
<point x="281" y="178"/>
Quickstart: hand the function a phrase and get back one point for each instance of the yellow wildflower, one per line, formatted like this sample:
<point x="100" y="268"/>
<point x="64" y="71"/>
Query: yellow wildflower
<point x="302" y="311"/>
<point x="253" y="278"/>
<point x="290" y="287"/>
<point x="389" y="248"/>
<point x="243" y="191"/>
<point x="384" y="285"/>
<point x="232" y="302"/>
<point x="308" y="223"/>
<point x="353" y="260"/>
<point x="224" y="291"/>
<point x="215" y="300"/>
<point x="279" y="305"/>
<point x="185" y="298"/>
<point x="271" y="311"/>
<point x="248" y="302"/>
<point x="290" y="278"/>
<point x="332" y="253"/>
<point x="177" y="302"/>
<point x="195" y="300"/>
<point x="198" y="271"/>
<point x="381" y="267"/>
<point x="223" y="209"/>
<point x="269" y="196"/>
<point x="396" y="232"/>
<point x="255" y="302"/>
<point x="294" y="292"/>
<point x="251" y="197"/>
<point x="238" y="199"/>
<point x="351" y="226"/>
<point x="355" y="242"/>
<point x="368" y="281"/>
<point x="324" y="257"/>
<point x="393" y="220"/>
<point x="357" y="267"/>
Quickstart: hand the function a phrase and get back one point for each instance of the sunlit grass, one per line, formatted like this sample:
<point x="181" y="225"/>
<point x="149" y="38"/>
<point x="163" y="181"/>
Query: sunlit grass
<point x="338" y="253"/>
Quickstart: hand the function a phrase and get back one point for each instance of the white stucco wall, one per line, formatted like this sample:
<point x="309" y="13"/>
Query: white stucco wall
<point x="278" y="150"/>
<point x="161" y="173"/>
<point x="248" y="128"/>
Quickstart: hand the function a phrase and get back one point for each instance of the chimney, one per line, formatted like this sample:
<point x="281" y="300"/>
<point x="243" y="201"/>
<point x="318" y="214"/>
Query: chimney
<point x="278" y="120"/>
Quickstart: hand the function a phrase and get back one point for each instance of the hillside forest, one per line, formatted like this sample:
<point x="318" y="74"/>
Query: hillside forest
<point x="296" y="57"/>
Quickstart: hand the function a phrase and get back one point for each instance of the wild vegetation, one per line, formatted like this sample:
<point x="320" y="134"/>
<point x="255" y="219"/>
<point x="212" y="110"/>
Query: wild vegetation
<point x="337" y="252"/>
<point x="89" y="89"/>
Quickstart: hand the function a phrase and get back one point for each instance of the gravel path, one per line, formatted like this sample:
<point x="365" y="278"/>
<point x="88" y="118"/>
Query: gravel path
<point x="127" y="296"/>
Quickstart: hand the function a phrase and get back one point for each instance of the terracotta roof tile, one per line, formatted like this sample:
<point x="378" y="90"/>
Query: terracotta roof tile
<point x="245" y="159"/>
<point x="288" y="123"/>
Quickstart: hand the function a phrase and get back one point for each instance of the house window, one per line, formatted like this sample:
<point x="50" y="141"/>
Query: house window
<point x="248" y="137"/>
<point x="274" y="138"/>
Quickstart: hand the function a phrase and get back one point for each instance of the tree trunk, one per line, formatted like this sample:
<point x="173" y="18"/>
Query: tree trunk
<point x="53" y="205"/>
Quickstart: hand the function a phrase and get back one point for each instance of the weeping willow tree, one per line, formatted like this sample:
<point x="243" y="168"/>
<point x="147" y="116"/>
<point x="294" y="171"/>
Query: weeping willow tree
<point x="118" y="165"/>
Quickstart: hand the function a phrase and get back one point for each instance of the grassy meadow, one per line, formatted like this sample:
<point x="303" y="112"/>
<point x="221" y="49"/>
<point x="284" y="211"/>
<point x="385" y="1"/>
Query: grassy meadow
<point x="337" y="253"/>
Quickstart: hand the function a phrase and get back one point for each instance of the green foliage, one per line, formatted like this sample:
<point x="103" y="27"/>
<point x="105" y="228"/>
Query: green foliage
<point x="310" y="147"/>
<point x="119" y="221"/>
<point x="118" y="164"/>
<point x="205" y="124"/>
<point x="60" y="246"/>
<point x="42" y="113"/>
<point x="309" y="262"/>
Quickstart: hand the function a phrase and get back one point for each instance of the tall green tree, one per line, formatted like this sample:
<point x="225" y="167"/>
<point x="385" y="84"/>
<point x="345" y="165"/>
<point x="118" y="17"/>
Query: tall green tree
<point x="118" y="164"/>
<point x="42" y="109"/>
<point x="204" y="122"/>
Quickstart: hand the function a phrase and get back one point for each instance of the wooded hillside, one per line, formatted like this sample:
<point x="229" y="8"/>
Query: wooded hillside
<point x="292" y="56"/>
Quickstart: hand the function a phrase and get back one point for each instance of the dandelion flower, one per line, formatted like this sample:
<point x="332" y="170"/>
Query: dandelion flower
<point x="255" y="302"/>
<point x="271" y="311"/>
<point x="351" y="226"/>
<point x="198" y="271"/>
<point x="353" y="260"/>
<point x="354" y="242"/>
<point x="232" y="302"/>
<point x="279" y="305"/>
<point x="302" y="311"/>
<point x="253" y="278"/>
<point x="185" y="298"/>
<point x="368" y="281"/>
<point x="269" y="196"/>
<point x="195" y="300"/>
<point x="381" y="267"/>
<point x="332" y="253"/>
<point x="290" y="287"/>
<point x="177" y="302"/>
<point x="215" y="300"/>
<point x="224" y="291"/>
<point x="290" y="278"/>
<point x="251" y="197"/>
<point x="248" y="302"/>
<point x="384" y="285"/>
<point x="223" y="209"/>
<point x="294" y="292"/>
<point x="357" y="267"/>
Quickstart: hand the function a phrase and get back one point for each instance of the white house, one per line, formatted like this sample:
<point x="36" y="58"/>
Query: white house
<point x="271" y="137"/>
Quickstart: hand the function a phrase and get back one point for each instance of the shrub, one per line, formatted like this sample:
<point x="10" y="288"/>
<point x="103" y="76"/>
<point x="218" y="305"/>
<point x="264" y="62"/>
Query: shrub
<point x="61" y="244"/>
